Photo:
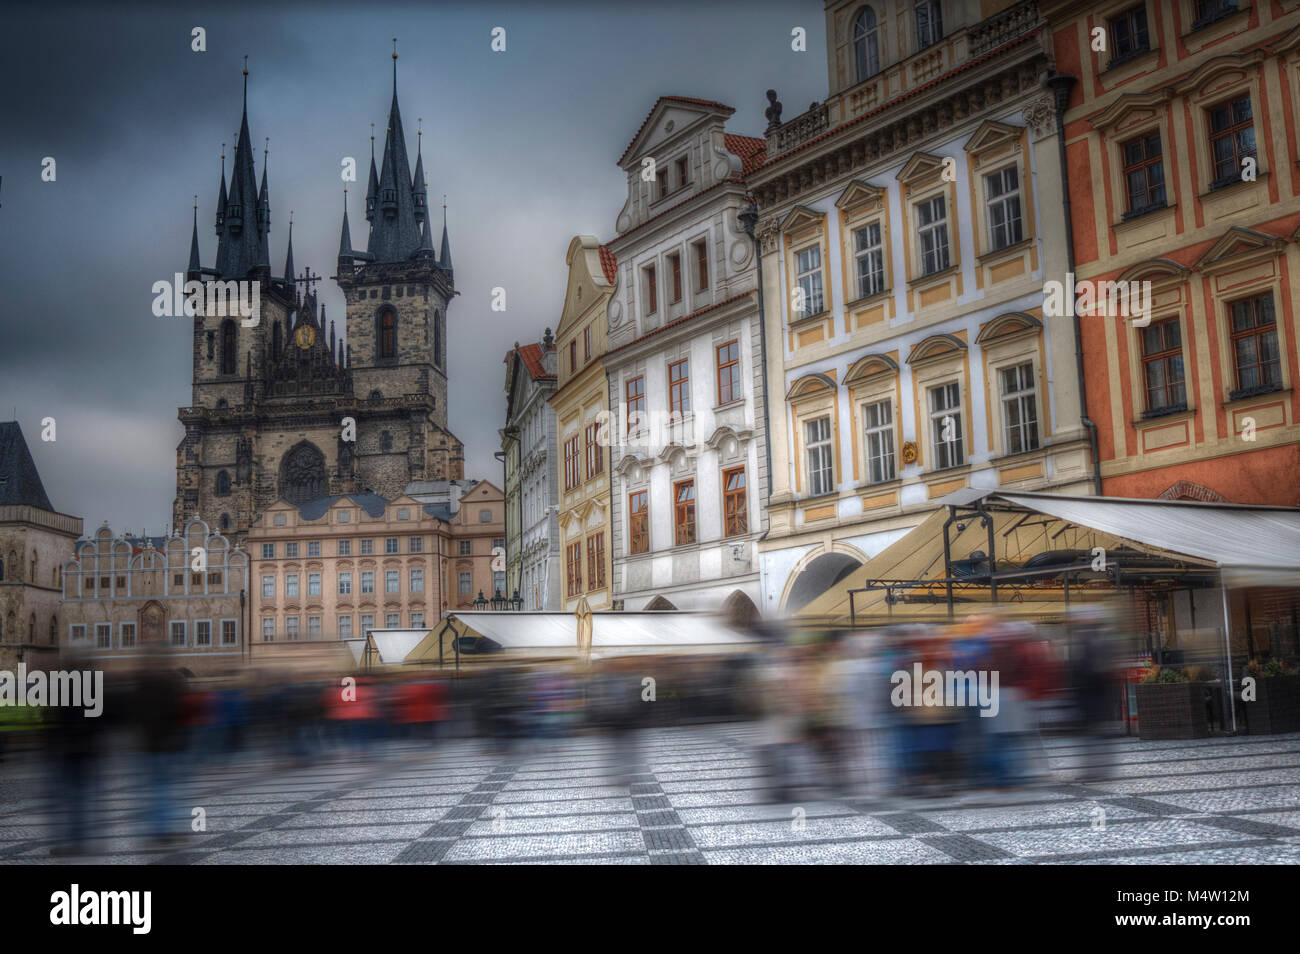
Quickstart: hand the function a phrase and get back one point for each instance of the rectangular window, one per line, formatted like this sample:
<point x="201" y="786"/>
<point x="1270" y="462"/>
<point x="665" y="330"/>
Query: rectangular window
<point x="78" y="632"/>
<point x="878" y="420"/>
<point x="390" y="544"/>
<point x="929" y="23"/>
<point x="345" y="548"/>
<point x="651" y="290"/>
<point x="595" y="460"/>
<point x="1207" y="11"/>
<point x="313" y="584"/>
<point x="417" y="620"/>
<point x="214" y="579"/>
<point x="313" y="548"/>
<point x="932" y="229"/>
<point x="1254" y="344"/>
<point x="675" y="271"/>
<point x="291" y="628"/>
<point x="1128" y="34"/>
<point x="367" y="623"/>
<point x="203" y="632"/>
<point x="821" y="477"/>
<point x="586" y="343"/>
<point x="417" y="545"/>
<point x="638" y="522"/>
<point x="127" y="635"/>
<point x="345" y="627"/>
<point x="572" y="465"/>
<point x="1002" y="189"/>
<point x="1232" y="139"/>
<point x="945" y="426"/>
<point x="573" y="569"/>
<point x="268" y="587"/>
<point x="291" y="584"/>
<point x="661" y="180"/>
<point x="345" y="584"/>
<point x="1019" y="408"/>
<point x="1144" y="173"/>
<point x="228" y="632"/>
<point x="291" y="550"/>
<point x="728" y="361"/>
<point x="596" y="562"/>
<point x="465" y="547"/>
<point x="345" y="516"/>
<point x="392" y="581"/>
<point x="1162" y="365"/>
<point x="268" y="629"/>
<point x="701" y="266"/>
<point x="367" y="581"/>
<point x="417" y="581"/>
<point x="808" y="275"/>
<point x="679" y="387"/>
<point x="573" y="356"/>
<point x="499" y="583"/>
<point x="466" y="582"/>
<point x="735" y="509"/>
<point x="684" y="512"/>
<point x="367" y="547"/>
<point x="634" y="402"/>
<point x="103" y="635"/>
<point x="313" y="627"/>
<point x="268" y="551"/>
<point x="683" y="171"/>
<point x="178" y="632"/>
<point x="392" y="620"/>
<point x="869" y="256"/>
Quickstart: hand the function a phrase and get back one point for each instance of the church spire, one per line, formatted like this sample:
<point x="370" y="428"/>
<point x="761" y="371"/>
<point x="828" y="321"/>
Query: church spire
<point x="244" y="242"/>
<point x="372" y="188"/>
<point x="195" y="268"/>
<point x="419" y="188"/>
<point x="345" y="240"/>
<point x="288" y="259"/>
<point x="396" y="234"/>
<point x="221" y="196"/>
<point x="264" y="215"/>
<point x="444" y="257"/>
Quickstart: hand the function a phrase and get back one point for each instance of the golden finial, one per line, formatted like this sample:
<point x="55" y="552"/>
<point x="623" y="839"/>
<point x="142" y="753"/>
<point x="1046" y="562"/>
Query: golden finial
<point x="291" y="217"/>
<point x="394" y="47"/>
<point x="245" y="64"/>
<point x="196" y="203"/>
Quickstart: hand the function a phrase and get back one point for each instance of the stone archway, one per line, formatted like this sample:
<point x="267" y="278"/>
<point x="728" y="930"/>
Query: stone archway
<point x="740" y="611"/>
<point x="1186" y="490"/>
<point x="302" y="473"/>
<point x="659" y="603"/>
<point x="818" y="577"/>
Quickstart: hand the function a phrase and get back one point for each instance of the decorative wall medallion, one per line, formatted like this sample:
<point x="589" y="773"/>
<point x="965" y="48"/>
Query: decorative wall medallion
<point x="909" y="452"/>
<point x="305" y="336"/>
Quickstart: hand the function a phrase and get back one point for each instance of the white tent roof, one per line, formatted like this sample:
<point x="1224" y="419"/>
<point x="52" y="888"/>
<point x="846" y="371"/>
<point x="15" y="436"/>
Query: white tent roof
<point x="357" y="647"/>
<point x="1250" y="545"/>
<point x="394" y="645"/>
<point x="612" y="633"/>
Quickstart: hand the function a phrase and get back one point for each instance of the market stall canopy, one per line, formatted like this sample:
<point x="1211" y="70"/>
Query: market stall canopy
<point x="395" y="645"/>
<point x="556" y="635"/>
<point x="1247" y="545"/>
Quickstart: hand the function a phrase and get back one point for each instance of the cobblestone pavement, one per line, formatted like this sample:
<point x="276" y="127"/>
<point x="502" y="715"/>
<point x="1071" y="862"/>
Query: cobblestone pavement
<point x="698" y="800"/>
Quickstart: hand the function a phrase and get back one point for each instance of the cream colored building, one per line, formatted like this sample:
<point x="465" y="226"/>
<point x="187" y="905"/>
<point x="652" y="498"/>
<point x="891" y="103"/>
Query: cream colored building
<point x="477" y="557"/>
<point x="908" y="224"/>
<point x="581" y="402"/>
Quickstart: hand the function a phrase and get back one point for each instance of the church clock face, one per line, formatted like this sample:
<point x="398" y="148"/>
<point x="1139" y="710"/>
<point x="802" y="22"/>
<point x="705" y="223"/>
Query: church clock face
<point x="305" y="336"/>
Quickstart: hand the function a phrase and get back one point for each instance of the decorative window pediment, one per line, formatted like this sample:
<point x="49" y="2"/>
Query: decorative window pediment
<point x="1132" y="108"/>
<point x="861" y="197"/>
<point x="1288" y="44"/>
<point x="934" y="347"/>
<point x="1222" y="71"/>
<point x="1155" y="270"/>
<point x="802" y="219"/>
<point x="871" y="366"/>
<point x="630" y="464"/>
<point x="922" y="167"/>
<point x="992" y="135"/>
<point x="1237" y="246"/>
<point x="810" y="385"/>
<point x="1012" y="323"/>
<point x="718" y="439"/>
<point x="676" y="455"/>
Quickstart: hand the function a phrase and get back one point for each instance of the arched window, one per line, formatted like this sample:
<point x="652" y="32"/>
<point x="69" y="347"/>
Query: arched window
<point x="385" y="442"/>
<point x="223" y="484"/>
<point x="225" y="521"/>
<point x="222" y="404"/>
<point x="33" y="579"/>
<point x="229" y="343"/>
<point x="386" y="339"/>
<point x="375" y="395"/>
<point x="54" y="630"/>
<point x="929" y="23"/>
<point x="866" y="45"/>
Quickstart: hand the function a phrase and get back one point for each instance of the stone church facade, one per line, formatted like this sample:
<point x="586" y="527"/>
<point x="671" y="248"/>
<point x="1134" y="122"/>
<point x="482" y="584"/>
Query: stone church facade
<point x="268" y="417"/>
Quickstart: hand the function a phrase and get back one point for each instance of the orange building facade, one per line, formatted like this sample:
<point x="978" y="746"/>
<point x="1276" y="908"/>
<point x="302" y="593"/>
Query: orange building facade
<point x="1183" y="157"/>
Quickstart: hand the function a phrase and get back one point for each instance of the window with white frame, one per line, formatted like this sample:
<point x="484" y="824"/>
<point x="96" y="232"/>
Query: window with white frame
<point x="178" y="632"/>
<point x="313" y="548"/>
<point x="821" y="479"/>
<point x="268" y="587"/>
<point x="367" y="622"/>
<point x="227" y="632"/>
<point x="77" y="633"/>
<point x="345" y="627"/>
<point x="1002" y="191"/>
<point x="103" y="635"/>
<point x="932" y="233"/>
<point x="203" y="632"/>
<point x="878" y="419"/>
<point x="1019" y="408"/>
<point x="313" y="584"/>
<point x="127" y="635"/>
<point x="417" y="581"/>
<point x="417" y="620"/>
<point x="392" y="581"/>
<point x="808" y="273"/>
<point x="368" y="581"/>
<point x="869" y="256"/>
<point x="929" y="23"/>
<point x="945" y="426"/>
<point x="345" y="584"/>
<point x="313" y="627"/>
<point x="268" y="629"/>
<point x="392" y="620"/>
<point x="291" y="628"/>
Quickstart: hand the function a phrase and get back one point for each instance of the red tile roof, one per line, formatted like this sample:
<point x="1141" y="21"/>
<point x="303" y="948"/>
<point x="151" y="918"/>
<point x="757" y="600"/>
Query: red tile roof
<point x="752" y="151"/>
<point x="532" y="357"/>
<point x="608" y="264"/>
<point x="712" y="104"/>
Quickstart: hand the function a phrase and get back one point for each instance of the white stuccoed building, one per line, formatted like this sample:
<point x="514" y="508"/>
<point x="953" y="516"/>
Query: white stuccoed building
<point x="686" y="435"/>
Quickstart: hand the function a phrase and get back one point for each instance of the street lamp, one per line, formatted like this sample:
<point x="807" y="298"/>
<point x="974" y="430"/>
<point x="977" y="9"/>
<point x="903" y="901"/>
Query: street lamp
<point x="498" y="601"/>
<point x="480" y="603"/>
<point x="516" y="601"/>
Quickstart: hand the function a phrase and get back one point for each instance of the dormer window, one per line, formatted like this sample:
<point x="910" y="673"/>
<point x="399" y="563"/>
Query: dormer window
<point x="929" y="23"/>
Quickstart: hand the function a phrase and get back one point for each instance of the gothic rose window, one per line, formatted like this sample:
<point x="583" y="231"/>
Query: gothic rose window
<point x="302" y="474"/>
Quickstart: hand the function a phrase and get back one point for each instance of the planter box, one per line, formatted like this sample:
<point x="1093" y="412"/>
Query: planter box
<point x="1172" y="710"/>
<point x="1276" y="707"/>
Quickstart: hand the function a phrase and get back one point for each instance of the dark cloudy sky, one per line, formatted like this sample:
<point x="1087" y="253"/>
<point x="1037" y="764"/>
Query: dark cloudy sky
<point x="524" y="143"/>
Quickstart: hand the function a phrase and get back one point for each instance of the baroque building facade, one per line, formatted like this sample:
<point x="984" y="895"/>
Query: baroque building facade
<point x="532" y="493"/>
<point x="908" y="225"/>
<point x="282" y="406"/>
<point x="581" y="404"/>
<point x="1181" y="137"/>
<point x="687" y="439"/>
<point x="35" y="543"/>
